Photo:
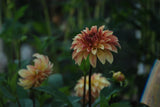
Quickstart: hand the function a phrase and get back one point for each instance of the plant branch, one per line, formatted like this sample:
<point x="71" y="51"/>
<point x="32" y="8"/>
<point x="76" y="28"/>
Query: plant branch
<point x="19" y="105"/>
<point x="46" y="13"/>
<point x="90" y="72"/>
<point x="19" y="54"/>
<point x="84" y="90"/>
<point x="2" y="102"/>
<point x="32" y="96"/>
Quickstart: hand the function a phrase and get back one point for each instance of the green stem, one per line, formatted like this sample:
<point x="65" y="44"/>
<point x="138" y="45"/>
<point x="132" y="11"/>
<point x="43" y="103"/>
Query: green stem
<point x="32" y="96"/>
<point x="8" y="12"/>
<point x="90" y="99"/>
<point x="46" y="17"/>
<point x="2" y="102"/>
<point x="84" y="91"/>
<point x="18" y="54"/>
<point x="0" y="14"/>
<point x="19" y="105"/>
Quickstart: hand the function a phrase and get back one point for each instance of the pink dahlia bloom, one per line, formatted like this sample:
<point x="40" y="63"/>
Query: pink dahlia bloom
<point x="35" y="74"/>
<point x="95" y="43"/>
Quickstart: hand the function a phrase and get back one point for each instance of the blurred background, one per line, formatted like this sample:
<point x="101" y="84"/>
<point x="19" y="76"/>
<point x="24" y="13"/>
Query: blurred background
<point x="48" y="26"/>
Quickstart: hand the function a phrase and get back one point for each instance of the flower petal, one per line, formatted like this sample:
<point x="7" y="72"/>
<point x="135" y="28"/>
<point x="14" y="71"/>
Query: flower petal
<point x="25" y="83"/>
<point x="74" y="54"/>
<point x="113" y="38"/>
<point x="101" y="56"/>
<point x="107" y="46"/>
<point x="107" y="33"/>
<point x="30" y="68"/>
<point x="94" y="51"/>
<point x="93" y="60"/>
<point x="85" y="55"/>
<point x="101" y="28"/>
<point x="78" y="59"/>
<point x="114" y="49"/>
<point x="101" y="46"/>
<point x="109" y="56"/>
<point x="94" y="29"/>
<point x="23" y="73"/>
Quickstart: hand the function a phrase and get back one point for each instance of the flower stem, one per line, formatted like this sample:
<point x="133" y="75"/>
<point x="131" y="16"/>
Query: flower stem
<point x="90" y="72"/>
<point x="84" y="91"/>
<point x="46" y="13"/>
<point x="32" y="96"/>
<point x="19" y="105"/>
<point x="19" y="54"/>
<point x="2" y="102"/>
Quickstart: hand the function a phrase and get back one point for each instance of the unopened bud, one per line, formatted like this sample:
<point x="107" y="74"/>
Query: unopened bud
<point x="119" y="76"/>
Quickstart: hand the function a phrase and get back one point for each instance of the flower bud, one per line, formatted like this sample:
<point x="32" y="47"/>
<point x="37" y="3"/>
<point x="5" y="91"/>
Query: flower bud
<point x="119" y="76"/>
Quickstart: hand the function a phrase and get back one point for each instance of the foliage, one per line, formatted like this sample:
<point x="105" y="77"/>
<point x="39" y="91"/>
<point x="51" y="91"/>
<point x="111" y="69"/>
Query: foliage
<point x="48" y="27"/>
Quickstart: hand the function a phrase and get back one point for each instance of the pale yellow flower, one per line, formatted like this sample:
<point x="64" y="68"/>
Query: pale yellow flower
<point x="94" y="43"/>
<point x="97" y="84"/>
<point x="35" y="74"/>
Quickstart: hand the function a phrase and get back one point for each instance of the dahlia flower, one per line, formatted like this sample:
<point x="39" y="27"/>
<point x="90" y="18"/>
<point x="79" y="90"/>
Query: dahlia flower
<point x="95" y="43"/>
<point x="97" y="84"/>
<point x="35" y="74"/>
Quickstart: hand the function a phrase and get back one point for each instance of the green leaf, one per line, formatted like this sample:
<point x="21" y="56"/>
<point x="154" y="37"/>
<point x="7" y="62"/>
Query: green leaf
<point x="76" y="105"/>
<point x="23" y="38"/>
<point x="56" y="103"/>
<point x="39" y="43"/>
<point x="21" y="92"/>
<point x="26" y="103"/>
<point x="103" y="102"/>
<point x="65" y="89"/>
<point x="20" y="13"/>
<point x="107" y="92"/>
<point x="6" y="93"/>
<point x="105" y="96"/>
<point x="40" y="27"/>
<point x="55" y="80"/>
<point x="74" y="100"/>
<point x="96" y="102"/>
<point x="55" y="93"/>
<point x="37" y="104"/>
<point x="2" y="78"/>
<point x="12" y="81"/>
<point x="85" y="65"/>
<point x="120" y="104"/>
<point x="48" y="105"/>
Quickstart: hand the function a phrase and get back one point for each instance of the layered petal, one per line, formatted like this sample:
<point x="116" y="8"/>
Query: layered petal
<point x="97" y="84"/>
<point x="101" y="56"/>
<point x="93" y="60"/>
<point x="35" y="74"/>
<point x="24" y="73"/>
<point x="89" y="42"/>
<point x="109" y="56"/>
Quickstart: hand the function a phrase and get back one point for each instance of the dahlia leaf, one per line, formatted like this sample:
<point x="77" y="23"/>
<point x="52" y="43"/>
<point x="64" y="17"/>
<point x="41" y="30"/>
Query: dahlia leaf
<point x="120" y="104"/>
<point x="55" y="80"/>
<point x="5" y="92"/>
<point x="26" y="103"/>
<point x="107" y="92"/>
<point x="55" y="93"/>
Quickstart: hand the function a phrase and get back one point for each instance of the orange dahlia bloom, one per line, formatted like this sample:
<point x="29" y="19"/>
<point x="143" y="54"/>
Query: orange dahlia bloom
<point x="97" y="84"/>
<point x="95" y="43"/>
<point x="35" y="74"/>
